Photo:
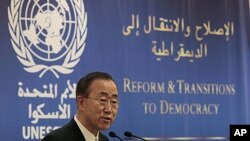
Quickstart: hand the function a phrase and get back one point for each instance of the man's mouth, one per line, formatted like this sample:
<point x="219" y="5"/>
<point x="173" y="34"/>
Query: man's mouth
<point x="107" y="119"/>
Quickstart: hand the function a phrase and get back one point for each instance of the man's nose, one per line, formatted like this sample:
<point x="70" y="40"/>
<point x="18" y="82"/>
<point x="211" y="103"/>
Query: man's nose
<point x="108" y="107"/>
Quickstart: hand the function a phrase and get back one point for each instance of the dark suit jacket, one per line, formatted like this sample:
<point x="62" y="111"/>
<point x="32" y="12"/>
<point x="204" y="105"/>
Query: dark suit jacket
<point x="69" y="132"/>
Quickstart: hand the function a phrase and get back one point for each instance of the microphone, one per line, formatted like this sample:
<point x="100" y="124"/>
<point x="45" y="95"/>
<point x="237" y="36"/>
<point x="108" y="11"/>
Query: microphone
<point x="129" y="134"/>
<point x="113" y="135"/>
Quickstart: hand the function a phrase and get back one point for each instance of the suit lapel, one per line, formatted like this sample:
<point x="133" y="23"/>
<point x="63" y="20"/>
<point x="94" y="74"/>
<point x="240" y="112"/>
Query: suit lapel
<point x="76" y="132"/>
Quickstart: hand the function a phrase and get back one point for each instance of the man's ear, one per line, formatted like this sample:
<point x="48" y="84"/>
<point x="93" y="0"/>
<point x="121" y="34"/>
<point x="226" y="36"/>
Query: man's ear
<point x="80" y="102"/>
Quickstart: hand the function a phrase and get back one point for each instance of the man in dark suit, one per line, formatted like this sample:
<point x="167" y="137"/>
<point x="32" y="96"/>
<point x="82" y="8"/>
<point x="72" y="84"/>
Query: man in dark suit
<point x="97" y="107"/>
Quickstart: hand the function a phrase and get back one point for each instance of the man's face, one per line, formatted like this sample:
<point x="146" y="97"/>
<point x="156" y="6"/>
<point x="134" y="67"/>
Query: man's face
<point x="101" y="106"/>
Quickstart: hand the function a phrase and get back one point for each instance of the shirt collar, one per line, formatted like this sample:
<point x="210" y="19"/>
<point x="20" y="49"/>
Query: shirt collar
<point x="86" y="133"/>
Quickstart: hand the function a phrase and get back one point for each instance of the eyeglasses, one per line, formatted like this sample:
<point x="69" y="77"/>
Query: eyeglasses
<point x="114" y="102"/>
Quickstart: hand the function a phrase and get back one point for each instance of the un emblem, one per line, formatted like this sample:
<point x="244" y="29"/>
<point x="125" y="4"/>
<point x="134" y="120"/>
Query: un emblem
<point x="48" y="35"/>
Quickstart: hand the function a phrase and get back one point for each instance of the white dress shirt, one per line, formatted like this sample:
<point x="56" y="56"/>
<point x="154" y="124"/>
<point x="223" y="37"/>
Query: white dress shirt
<point x="86" y="133"/>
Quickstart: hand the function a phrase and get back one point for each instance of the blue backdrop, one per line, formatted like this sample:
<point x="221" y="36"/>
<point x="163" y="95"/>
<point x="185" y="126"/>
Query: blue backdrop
<point x="182" y="66"/>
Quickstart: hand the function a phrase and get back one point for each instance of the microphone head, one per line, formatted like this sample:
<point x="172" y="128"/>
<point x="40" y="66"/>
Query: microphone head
<point x="128" y="134"/>
<point x="112" y="134"/>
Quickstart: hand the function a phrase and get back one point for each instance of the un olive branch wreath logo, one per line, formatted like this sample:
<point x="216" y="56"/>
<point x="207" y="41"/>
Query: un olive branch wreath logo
<point x="23" y="54"/>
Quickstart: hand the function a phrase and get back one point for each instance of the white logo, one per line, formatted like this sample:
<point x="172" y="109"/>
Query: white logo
<point x="48" y="35"/>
